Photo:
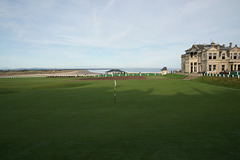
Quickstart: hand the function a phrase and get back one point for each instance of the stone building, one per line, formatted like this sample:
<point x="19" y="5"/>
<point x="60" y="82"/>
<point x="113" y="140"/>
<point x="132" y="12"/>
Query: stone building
<point x="211" y="58"/>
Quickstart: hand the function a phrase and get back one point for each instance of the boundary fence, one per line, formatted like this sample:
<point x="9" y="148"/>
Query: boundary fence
<point x="128" y="74"/>
<point x="23" y="76"/>
<point x="72" y="76"/>
<point x="222" y="75"/>
<point x="55" y="76"/>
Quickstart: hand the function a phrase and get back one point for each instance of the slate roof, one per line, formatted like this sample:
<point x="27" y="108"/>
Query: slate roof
<point x="207" y="46"/>
<point x="164" y="68"/>
<point x="115" y="70"/>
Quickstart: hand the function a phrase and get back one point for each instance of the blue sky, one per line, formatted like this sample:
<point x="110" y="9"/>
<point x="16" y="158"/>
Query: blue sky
<point x="111" y="33"/>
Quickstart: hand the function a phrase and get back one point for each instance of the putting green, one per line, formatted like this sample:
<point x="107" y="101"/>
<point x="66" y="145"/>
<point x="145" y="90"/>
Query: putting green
<point x="152" y="119"/>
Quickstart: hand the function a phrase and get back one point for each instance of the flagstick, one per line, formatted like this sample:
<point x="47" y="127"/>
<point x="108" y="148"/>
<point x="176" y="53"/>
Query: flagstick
<point x="114" y="96"/>
<point x="115" y="84"/>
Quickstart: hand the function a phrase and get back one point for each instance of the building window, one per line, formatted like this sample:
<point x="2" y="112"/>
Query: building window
<point x="235" y="56"/>
<point x="231" y="55"/>
<point x="210" y="56"/>
<point x="195" y="67"/>
<point x="235" y="67"/>
<point x="223" y="56"/>
<point x="210" y="68"/>
<point x="191" y="67"/>
<point x="214" y="55"/>
<point x="191" y="54"/>
<point x="223" y="67"/>
<point x="214" y="67"/>
<point x="239" y="67"/>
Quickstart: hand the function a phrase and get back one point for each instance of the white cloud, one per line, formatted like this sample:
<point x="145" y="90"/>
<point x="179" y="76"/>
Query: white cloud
<point x="150" y="31"/>
<point x="110" y="3"/>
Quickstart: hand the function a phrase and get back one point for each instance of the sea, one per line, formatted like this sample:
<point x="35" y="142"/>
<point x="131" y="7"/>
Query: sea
<point x="102" y="70"/>
<point x="133" y="70"/>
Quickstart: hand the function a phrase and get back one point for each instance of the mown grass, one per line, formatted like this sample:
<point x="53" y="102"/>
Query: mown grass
<point x="175" y="76"/>
<point x="167" y="76"/>
<point x="157" y="119"/>
<point x="219" y="81"/>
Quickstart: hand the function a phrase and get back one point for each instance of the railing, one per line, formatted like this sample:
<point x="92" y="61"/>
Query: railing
<point x="72" y="76"/>
<point x="23" y="76"/>
<point x="222" y="75"/>
<point x="128" y="74"/>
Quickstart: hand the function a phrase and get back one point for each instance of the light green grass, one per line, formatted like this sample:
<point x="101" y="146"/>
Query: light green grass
<point x="175" y="76"/>
<point x="167" y="76"/>
<point x="153" y="119"/>
<point x="219" y="81"/>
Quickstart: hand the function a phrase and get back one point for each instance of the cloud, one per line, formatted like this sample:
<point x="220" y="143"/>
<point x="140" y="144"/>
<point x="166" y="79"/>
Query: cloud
<point x="75" y="55"/>
<point x="110" y="3"/>
<point x="153" y="32"/>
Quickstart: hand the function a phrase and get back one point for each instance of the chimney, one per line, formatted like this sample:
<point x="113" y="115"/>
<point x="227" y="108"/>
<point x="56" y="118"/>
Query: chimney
<point x="230" y="44"/>
<point x="223" y="45"/>
<point x="218" y="46"/>
<point x="235" y="45"/>
<point x="212" y="44"/>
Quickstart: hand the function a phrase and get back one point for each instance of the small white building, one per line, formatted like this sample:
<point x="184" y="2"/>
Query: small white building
<point x="164" y="70"/>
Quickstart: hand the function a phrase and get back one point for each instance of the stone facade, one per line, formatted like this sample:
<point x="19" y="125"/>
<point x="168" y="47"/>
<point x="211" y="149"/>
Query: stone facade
<point x="211" y="58"/>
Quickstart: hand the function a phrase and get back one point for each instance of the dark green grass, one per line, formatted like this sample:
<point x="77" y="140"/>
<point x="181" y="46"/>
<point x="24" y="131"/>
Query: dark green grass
<point x="219" y="81"/>
<point x="153" y="119"/>
<point x="167" y="76"/>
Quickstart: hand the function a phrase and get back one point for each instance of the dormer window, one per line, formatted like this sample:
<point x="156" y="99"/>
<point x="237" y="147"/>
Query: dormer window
<point x="191" y="54"/>
<point x="235" y="56"/>
<point x="210" y="56"/>
<point x="214" y="55"/>
<point x="223" y="56"/>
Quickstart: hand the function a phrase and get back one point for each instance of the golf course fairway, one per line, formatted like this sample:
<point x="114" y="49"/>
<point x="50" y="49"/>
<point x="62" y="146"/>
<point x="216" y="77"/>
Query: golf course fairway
<point x="67" y="119"/>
